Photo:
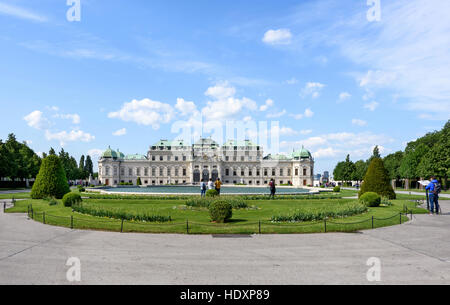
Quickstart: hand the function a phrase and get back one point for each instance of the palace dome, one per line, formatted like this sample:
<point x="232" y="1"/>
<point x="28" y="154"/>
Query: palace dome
<point x="302" y="154"/>
<point x="109" y="154"/>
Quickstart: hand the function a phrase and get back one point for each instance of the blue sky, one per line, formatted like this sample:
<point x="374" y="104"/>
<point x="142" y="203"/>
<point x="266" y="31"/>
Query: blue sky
<point x="130" y="72"/>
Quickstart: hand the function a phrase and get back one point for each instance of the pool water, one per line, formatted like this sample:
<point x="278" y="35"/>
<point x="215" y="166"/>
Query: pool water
<point x="196" y="190"/>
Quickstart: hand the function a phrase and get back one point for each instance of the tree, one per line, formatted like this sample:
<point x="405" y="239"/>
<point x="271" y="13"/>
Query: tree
<point x="82" y="168"/>
<point x="52" y="152"/>
<point x="89" y="166"/>
<point x="51" y="180"/>
<point x="377" y="180"/>
<point x="338" y="173"/>
<point x="392" y="163"/>
<point x="138" y="182"/>
<point x="360" y="170"/>
<point x="410" y="161"/>
<point x="344" y="171"/>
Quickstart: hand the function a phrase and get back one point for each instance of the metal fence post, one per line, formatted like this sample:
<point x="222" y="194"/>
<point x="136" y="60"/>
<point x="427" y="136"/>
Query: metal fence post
<point x="187" y="226"/>
<point x="71" y="222"/>
<point x="401" y="218"/>
<point x="325" y="222"/>
<point x="32" y="213"/>
<point x="373" y="223"/>
<point x="259" y="227"/>
<point x="121" y="227"/>
<point x="43" y="217"/>
<point x="4" y="207"/>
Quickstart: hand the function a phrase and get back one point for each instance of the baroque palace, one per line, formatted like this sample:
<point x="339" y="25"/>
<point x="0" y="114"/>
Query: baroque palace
<point x="175" y="162"/>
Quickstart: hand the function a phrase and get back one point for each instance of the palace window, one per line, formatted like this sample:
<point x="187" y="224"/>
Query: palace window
<point x="122" y="171"/>
<point x="296" y="171"/>
<point x="227" y="172"/>
<point x="138" y="171"/>
<point x="281" y="172"/>
<point x="107" y="171"/>
<point x="130" y="172"/>
<point x="176" y="172"/>
<point x="273" y="172"/>
<point x="153" y="158"/>
<point x="146" y="171"/>
<point x="161" y="158"/>
<point x="161" y="171"/>
<point x="304" y="172"/>
<point x="184" y="173"/>
<point x="153" y="171"/>
<point x="242" y="173"/>
<point x="250" y="173"/>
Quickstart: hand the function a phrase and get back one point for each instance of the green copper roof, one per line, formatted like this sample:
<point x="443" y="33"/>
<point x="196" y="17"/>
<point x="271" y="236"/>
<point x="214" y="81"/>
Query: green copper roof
<point x="135" y="157"/>
<point x="120" y="155"/>
<point x="109" y="153"/>
<point x="278" y="157"/>
<point x="303" y="154"/>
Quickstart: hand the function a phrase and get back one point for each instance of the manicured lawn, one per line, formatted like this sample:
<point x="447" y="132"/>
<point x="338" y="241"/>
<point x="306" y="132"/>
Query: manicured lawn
<point x="24" y="195"/>
<point x="243" y="221"/>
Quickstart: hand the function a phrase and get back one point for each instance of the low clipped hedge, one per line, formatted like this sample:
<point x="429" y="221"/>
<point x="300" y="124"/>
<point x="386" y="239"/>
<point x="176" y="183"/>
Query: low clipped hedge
<point x="70" y="199"/>
<point x="236" y="203"/>
<point x="220" y="211"/>
<point x="318" y="214"/>
<point x="118" y="214"/>
<point x="212" y="193"/>
<point x="337" y="189"/>
<point x="370" y="199"/>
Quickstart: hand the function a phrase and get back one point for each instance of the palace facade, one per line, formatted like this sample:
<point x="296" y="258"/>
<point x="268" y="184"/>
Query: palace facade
<point x="175" y="162"/>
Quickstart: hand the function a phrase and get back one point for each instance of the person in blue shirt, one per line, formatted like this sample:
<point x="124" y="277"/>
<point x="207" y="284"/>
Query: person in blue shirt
<point x="203" y="188"/>
<point x="433" y="195"/>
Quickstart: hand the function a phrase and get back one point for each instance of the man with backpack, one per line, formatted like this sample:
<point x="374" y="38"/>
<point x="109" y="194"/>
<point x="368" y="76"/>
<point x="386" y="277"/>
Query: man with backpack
<point x="203" y="188"/>
<point x="434" y="189"/>
<point x="272" y="188"/>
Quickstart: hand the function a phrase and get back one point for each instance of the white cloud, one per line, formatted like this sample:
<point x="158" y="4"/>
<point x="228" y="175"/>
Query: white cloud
<point x="372" y="106"/>
<point x="95" y="152"/>
<point x="75" y="118"/>
<point x="37" y="120"/>
<point x="292" y="81"/>
<point x="307" y="114"/>
<point x="328" y="152"/>
<point x="265" y="107"/>
<point x="21" y="13"/>
<point x="120" y="132"/>
<point x="144" y="112"/>
<point x="224" y="104"/>
<point x="185" y="107"/>
<point x="312" y="89"/>
<point x="359" y="122"/>
<point x="344" y="96"/>
<point x="306" y="132"/>
<point x="73" y="136"/>
<point x="277" y="37"/>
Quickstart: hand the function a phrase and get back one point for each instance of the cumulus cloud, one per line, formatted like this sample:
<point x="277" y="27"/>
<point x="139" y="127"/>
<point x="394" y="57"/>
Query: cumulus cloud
<point x="224" y="104"/>
<point x="185" y="107"/>
<point x="22" y="13"/>
<point x="75" y="118"/>
<point x="120" y="132"/>
<point x="269" y="103"/>
<point x="277" y="37"/>
<point x="312" y="89"/>
<point x="37" y="120"/>
<point x="344" y="96"/>
<point x="73" y="136"/>
<point x="144" y="112"/>
<point x="276" y="114"/>
<point x="95" y="152"/>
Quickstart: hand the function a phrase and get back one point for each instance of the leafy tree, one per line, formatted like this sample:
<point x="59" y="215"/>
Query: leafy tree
<point x="338" y="172"/>
<point x="52" y="152"/>
<point x="89" y="166"/>
<point x="411" y="160"/>
<point x="51" y="180"/>
<point x="377" y="180"/>
<point x="360" y="170"/>
<point x="344" y="171"/>
<point x="4" y="160"/>
<point x="392" y="163"/>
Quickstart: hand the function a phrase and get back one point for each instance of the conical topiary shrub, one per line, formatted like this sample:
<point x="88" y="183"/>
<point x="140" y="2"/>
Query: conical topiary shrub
<point x="377" y="180"/>
<point x="51" y="180"/>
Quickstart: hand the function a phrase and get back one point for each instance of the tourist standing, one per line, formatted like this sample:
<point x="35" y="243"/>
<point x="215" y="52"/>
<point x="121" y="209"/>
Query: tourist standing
<point x="434" y="188"/>
<point x="218" y="185"/>
<point x="203" y="188"/>
<point x="273" y="188"/>
<point x="210" y="184"/>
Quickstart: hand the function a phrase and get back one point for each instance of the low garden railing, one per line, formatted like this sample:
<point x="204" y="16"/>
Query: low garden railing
<point x="188" y="227"/>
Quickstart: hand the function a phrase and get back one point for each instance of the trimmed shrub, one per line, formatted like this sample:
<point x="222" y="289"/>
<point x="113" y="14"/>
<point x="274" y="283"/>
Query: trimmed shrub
<point x="322" y="213"/>
<point x="51" y="180"/>
<point x="337" y="189"/>
<point x="71" y="199"/>
<point x="212" y="193"/>
<point x="371" y="199"/>
<point x="377" y="180"/>
<point x="139" y="182"/>
<point x="220" y="211"/>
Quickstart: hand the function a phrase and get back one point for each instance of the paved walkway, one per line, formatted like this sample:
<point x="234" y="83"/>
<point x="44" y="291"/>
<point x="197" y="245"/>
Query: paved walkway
<point x="414" y="253"/>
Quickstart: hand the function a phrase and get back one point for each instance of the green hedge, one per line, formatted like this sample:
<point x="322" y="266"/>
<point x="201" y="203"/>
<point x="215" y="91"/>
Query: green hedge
<point x="236" y="203"/>
<point x="119" y="214"/>
<point x="322" y="213"/>
<point x="370" y="199"/>
<point x="220" y="211"/>
<point x="51" y="180"/>
<point x="70" y="199"/>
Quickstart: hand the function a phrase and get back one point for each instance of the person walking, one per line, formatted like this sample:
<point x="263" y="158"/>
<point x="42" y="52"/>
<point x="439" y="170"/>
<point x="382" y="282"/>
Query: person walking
<point x="273" y="189"/>
<point x="218" y="185"/>
<point x="434" y="189"/>
<point x="203" y="188"/>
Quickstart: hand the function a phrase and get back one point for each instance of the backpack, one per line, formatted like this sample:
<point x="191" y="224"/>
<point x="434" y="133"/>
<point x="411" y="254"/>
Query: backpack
<point x="437" y="188"/>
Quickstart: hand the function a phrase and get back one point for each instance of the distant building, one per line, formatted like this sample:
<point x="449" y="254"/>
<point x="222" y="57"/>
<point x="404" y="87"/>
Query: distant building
<point x="175" y="162"/>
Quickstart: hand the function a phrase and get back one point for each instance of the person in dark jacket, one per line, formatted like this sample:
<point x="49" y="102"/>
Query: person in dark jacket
<point x="433" y="195"/>
<point x="273" y="188"/>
